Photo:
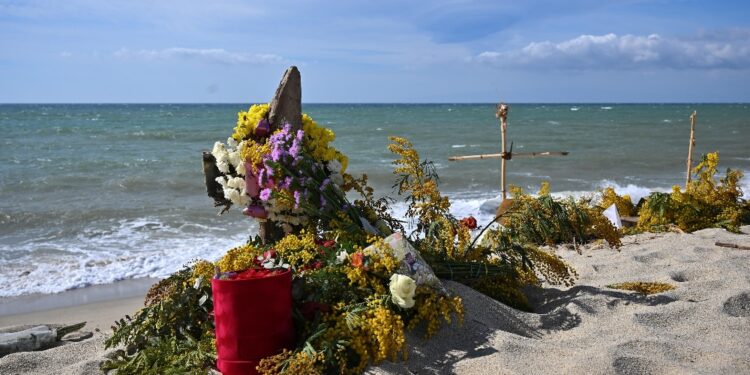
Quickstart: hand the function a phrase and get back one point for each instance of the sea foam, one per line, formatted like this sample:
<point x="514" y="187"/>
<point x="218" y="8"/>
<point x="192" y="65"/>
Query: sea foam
<point x="144" y="247"/>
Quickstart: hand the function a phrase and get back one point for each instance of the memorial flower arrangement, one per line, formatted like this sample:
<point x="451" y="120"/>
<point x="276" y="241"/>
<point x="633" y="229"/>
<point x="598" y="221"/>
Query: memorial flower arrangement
<point x="360" y="282"/>
<point x="357" y="285"/>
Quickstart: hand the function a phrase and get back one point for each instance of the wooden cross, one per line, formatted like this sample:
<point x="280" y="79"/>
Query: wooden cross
<point x="501" y="113"/>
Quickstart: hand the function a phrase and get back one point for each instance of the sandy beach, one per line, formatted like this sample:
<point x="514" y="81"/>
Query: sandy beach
<point x="700" y="327"/>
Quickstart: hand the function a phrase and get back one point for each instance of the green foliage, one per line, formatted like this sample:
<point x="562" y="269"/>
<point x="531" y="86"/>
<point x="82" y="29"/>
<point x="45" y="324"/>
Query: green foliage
<point x="544" y="220"/>
<point x="173" y="334"/>
<point x="506" y="260"/>
<point x="706" y="203"/>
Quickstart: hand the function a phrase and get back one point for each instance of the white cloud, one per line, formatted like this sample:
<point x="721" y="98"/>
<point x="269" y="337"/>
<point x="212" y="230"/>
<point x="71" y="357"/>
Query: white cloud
<point x="217" y="55"/>
<point x="709" y="51"/>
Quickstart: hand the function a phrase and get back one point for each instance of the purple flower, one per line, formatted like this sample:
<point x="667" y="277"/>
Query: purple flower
<point x="277" y="153"/>
<point x="297" y="198"/>
<point x="325" y="183"/>
<point x="261" y="177"/>
<point x="294" y="150"/>
<point x="286" y="183"/>
<point x="323" y="201"/>
<point x="265" y="194"/>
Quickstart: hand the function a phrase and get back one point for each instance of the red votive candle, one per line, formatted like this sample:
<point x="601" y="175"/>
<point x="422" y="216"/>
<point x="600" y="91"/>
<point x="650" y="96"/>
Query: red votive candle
<point x="253" y="318"/>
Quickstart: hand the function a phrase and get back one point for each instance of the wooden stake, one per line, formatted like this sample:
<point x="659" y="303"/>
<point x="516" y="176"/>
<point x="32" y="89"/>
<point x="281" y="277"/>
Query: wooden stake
<point x="502" y="114"/>
<point x="693" y="119"/>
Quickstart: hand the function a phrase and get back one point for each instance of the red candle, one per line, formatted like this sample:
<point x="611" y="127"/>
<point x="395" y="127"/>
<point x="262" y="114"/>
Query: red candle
<point x="253" y="318"/>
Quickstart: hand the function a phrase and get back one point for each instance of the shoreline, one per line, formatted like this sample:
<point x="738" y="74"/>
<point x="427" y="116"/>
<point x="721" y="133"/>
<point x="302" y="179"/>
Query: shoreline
<point x="99" y="305"/>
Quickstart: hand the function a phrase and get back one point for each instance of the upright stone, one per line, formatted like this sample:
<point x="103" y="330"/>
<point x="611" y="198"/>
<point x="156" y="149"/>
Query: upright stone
<point x="286" y="106"/>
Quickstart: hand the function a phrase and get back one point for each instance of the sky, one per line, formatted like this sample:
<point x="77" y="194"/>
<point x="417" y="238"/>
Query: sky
<point x="386" y="51"/>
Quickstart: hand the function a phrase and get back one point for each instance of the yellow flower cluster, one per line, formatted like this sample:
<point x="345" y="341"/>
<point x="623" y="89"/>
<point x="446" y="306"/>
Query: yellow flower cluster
<point x="544" y="188"/>
<point x="555" y="270"/>
<point x="705" y="203"/>
<point x="253" y="152"/>
<point x="375" y="334"/>
<point x="288" y="362"/>
<point x="546" y="220"/>
<point x="238" y="259"/>
<point x="204" y="269"/>
<point x="433" y="309"/>
<point x="380" y="265"/>
<point x="386" y="334"/>
<point x="346" y="228"/>
<point x="602" y="228"/>
<point x="297" y="249"/>
<point x="348" y="326"/>
<point x="643" y="287"/>
<point x="381" y="262"/>
<point x="247" y="121"/>
<point x="317" y="141"/>
<point x="507" y="289"/>
<point x="623" y="203"/>
<point x="452" y="239"/>
<point x="421" y="189"/>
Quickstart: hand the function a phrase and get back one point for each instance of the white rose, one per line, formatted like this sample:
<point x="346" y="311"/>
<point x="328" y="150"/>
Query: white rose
<point x="231" y="142"/>
<point x="402" y="290"/>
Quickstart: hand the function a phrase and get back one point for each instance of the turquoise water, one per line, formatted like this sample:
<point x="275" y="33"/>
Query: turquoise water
<point x="97" y="193"/>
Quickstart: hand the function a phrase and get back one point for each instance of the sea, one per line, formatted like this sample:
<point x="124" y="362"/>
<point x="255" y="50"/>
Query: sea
<point x="97" y="193"/>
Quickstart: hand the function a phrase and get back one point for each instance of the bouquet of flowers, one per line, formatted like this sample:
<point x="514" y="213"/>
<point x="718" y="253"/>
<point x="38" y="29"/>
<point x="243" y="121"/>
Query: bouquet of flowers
<point x="355" y="287"/>
<point x="358" y="282"/>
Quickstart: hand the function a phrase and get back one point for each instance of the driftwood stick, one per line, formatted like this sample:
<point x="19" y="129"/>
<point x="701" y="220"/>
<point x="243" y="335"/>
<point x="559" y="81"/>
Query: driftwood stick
<point x="693" y="119"/>
<point x="732" y="246"/>
<point x="213" y="188"/>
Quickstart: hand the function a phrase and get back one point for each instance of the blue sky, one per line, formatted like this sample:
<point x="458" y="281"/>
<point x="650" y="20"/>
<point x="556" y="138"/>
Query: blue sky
<point x="375" y="51"/>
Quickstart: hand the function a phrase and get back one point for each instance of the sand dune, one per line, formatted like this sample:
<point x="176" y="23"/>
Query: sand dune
<point x="703" y="326"/>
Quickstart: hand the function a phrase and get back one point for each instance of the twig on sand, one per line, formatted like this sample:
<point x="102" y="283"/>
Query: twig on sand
<point x="732" y="246"/>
